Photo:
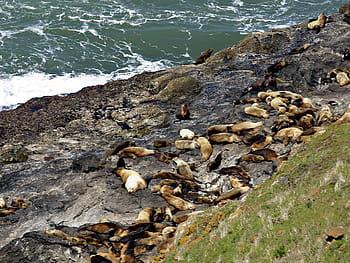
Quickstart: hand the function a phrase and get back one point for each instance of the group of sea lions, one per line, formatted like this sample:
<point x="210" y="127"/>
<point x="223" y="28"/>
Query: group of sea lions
<point x="10" y="208"/>
<point x="295" y="118"/>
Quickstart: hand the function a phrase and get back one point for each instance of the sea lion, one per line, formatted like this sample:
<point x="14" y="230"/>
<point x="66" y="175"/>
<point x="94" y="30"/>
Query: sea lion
<point x="203" y="57"/>
<point x="307" y="121"/>
<point x="252" y="158"/>
<point x="277" y="103"/>
<point x="132" y="180"/>
<point x="260" y="142"/>
<point x="282" y="93"/>
<point x="166" y="157"/>
<point x="236" y="171"/>
<point x="235" y="183"/>
<point x="105" y="257"/>
<point x="292" y="133"/>
<point x="186" y="134"/>
<point x="118" y="147"/>
<point x="135" y="152"/>
<point x="163" y="214"/>
<point x="19" y="203"/>
<point x="185" y="144"/>
<point x="167" y="174"/>
<point x="325" y="116"/>
<point x="300" y="49"/>
<point x="234" y="193"/>
<point x="282" y="122"/>
<point x="256" y="111"/>
<point x="224" y="138"/>
<point x="247" y="127"/>
<point x="175" y="201"/>
<point x="2" y="202"/>
<point x="342" y="78"/>
<point x="205" y="147"/>
<point x="317" y="24"/>
<point x="7" y="211"/>
<point x="276" y="67"/>
<point x="219" y="129"/>
<point x="268" y="154"/>
<point x="127" y="253"/>
<point x="144" y="215"/>
<point x="184" y="113"/>
<point x="103" y="228"/>
<point x="161" y="143"/>
<point x="183" y="168"/>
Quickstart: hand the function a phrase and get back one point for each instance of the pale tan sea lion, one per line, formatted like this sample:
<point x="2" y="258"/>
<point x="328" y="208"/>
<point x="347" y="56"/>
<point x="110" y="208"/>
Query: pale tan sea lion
<point x="292" y="133"/>
<point x="256" y="111"/>
<point x="224" y="138"/>
<point x="183" y="168"/>
<point x="186" y="134"/>
<point x="132" y="180"/>
<point x="205" y="147"/>
<point x="135" y="152"/>
<point x="320" y="22"/>
<point x="278" y="104"/>
<point x="185" y="144"/>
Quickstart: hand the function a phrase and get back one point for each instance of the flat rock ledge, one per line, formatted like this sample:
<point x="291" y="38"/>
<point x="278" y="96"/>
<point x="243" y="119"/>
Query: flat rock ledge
<point x="59" y="155"/>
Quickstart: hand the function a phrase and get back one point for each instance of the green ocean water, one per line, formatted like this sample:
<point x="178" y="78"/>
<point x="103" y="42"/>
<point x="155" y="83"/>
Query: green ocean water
<point x="53" y="47"/>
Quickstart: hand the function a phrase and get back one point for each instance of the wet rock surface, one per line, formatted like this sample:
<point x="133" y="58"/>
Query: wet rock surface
<point x="60" y="154"/>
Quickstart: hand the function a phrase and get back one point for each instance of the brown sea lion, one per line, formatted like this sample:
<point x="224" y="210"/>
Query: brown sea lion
<point x="205" y="147"/>
<point x="224" y="138"/>
<point x="135" y="152"/>
<point x="276" y="67"/>
<point x="175" y="201"/>
<point x="300" y="49"/>
<point x="307" y="121"/>
<point x="203" y="57"/>
<point x="234" y="193"/>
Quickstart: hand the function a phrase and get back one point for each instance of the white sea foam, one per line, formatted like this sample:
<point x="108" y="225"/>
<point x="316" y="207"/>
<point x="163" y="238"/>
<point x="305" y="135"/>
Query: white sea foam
<point x="19" y="89"/>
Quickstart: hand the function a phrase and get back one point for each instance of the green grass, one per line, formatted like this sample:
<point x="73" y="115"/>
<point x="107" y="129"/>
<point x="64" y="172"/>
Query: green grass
<point x="286" y="218"/>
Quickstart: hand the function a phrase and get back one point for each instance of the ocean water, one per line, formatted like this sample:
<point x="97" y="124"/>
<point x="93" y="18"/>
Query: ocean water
<point x="52" y="47"/>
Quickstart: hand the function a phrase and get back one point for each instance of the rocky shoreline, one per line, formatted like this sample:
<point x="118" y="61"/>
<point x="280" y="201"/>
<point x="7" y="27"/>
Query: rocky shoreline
<point x="59" y="155"/>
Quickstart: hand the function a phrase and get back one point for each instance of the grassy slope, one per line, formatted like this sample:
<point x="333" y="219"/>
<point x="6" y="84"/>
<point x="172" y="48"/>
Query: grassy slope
<point x="286" y="218"/>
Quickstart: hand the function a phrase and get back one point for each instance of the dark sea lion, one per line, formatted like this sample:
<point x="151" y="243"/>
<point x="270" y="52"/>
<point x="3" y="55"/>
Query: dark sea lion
<point x="184" y="113"/>
<point x="276" y="67"/>
<point x="120" y="146"/>
<point x="203" y="57"/>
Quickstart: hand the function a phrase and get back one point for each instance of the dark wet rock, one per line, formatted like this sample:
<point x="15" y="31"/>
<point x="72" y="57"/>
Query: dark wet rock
<point x="59" y="153"/>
